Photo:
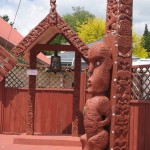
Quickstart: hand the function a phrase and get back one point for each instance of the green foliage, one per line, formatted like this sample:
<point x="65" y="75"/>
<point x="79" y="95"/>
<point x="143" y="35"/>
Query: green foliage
<point x="91" y="31"/>
<point x="146" y="39"/>
<point x="6" y="18"/>
<point x="137" y="48"/>
<point x="48" y="53"/>
<point x="78" y="17"/>
<point x="146" y="30"/>
<point x="59" y="39"/>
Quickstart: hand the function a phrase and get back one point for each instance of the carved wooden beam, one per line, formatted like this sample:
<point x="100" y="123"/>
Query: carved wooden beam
<point x="76" y="96"/>
<point x="31" y="96"/>
<point x="119" y="38"/>
<point x="7" y="62"/>
<point x="52" y="47"/>
<point x="53" y="14"/>
<point x="73" y="38"/>
<point x="37" y="34"/>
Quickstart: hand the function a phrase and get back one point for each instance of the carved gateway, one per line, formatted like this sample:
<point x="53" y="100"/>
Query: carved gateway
<point x="42" y="34"/>
<point x="119" y="38"/>
<point x="52" y="19"/>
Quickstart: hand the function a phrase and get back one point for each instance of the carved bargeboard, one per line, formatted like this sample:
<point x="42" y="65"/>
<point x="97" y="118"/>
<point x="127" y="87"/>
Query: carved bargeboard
<point x="7" y="62"/>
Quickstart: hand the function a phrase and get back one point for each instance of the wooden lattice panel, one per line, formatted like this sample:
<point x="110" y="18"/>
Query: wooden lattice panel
<point x="18" y="78"/>
<point x="63" y="79"/>
<point x="140" y="83"/>
<point x="7" y="62"/>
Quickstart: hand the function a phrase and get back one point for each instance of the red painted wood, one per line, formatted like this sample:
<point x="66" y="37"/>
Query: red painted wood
<point x="23" y="110"/>
<point x="147" y="126"/>
<point x="131" y="126"/>
<point x="52" y="109"/>
<point x="50" y="47"/>
<point x="1" y="103"/>
<point x="8" y="97"/>
<point x="15" y="110"/>
<point x="38" y="114"/>
<point x="139" y="125"/>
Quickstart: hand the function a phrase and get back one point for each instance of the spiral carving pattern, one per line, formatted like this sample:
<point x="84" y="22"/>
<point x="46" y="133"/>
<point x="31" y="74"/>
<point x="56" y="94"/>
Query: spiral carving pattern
<point x="125" y="27"/>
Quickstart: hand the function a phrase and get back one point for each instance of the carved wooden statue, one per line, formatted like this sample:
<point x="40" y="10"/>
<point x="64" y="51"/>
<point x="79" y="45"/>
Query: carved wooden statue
<point x="97" y="110"/>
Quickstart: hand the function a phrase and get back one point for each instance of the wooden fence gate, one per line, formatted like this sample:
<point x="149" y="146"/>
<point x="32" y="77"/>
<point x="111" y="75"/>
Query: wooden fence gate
<point x="53" y="102"/>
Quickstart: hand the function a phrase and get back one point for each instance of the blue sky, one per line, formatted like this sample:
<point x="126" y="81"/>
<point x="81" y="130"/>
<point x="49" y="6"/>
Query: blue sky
<point x="31" y="12"/>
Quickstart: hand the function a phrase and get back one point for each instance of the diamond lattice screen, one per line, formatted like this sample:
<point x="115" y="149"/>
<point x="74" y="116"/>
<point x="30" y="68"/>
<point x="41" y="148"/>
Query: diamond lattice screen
<point x="18" y="78"/>
<point x="140" y="83"/>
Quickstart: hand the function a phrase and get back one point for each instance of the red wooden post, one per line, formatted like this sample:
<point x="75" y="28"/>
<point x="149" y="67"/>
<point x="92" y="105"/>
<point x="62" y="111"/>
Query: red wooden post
<point x="76" y="96"/>
<point x="119" y="38"/>
<point x="31" y="98"/>
<point x="2" y="86"/>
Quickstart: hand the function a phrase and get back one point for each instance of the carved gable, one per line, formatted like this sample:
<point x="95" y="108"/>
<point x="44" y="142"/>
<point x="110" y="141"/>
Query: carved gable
<point x="7" y="62"/>
<point x="45" y="31"/>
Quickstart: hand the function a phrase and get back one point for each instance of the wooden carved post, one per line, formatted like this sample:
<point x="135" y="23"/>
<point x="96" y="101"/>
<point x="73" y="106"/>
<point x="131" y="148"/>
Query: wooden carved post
<point x="76" y="96"/>
<point x="31" y="98"/>
<point x="119" y="38"/>
<point x="53" y="13"/>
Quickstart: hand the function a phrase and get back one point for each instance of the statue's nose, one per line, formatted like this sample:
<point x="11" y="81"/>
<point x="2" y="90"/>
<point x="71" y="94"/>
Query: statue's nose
<point x="91" y="67"/>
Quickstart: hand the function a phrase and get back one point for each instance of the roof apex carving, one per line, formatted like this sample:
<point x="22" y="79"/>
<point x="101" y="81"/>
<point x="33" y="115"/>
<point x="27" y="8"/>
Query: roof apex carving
<point x="45" y="26"/>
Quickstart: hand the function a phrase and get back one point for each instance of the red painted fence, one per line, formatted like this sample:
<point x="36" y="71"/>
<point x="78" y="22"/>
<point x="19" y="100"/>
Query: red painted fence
<point x="53" y="109"/>
<point x="139" y="125"/>
<point x="53" y="113"/>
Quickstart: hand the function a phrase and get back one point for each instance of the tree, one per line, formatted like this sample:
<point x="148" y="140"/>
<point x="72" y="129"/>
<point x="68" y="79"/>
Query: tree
<point x="146" y="39"/>
<point x="59" y="39"/>
<point x="78" y="17"/>
<point x="146" y="30"/>
<point x="137" y="48"/>
<point x="91" y="31"/>
<point x="6" y="18"/>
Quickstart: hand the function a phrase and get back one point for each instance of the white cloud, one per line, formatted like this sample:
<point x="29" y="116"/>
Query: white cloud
<point x="31" y="12"/>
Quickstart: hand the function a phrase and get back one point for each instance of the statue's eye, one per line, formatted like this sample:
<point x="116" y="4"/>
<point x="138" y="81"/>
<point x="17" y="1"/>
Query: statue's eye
<point x="97" y="63"/>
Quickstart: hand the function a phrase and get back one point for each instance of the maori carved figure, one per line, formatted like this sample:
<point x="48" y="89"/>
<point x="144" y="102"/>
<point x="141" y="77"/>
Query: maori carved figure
<point x="97" y="111"/>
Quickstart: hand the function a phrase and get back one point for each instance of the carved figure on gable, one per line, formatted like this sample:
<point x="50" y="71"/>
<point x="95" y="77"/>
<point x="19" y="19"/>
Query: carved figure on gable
<point x="97" y="110"/>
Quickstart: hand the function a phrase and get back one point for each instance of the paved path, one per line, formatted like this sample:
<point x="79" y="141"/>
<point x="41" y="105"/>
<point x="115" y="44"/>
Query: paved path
<point x="6" y="143"/>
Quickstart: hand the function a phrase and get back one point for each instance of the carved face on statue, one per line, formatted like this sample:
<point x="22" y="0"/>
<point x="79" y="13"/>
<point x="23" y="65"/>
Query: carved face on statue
<point x="100" y="63"/>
